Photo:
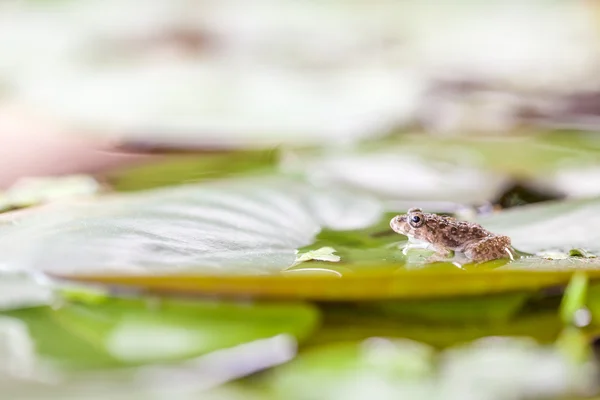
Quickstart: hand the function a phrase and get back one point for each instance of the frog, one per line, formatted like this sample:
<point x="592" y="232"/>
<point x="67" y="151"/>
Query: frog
<point x="446" y="235"/>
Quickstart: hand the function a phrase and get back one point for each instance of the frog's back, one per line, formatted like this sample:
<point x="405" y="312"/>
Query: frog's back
<point x="453" y="233"/>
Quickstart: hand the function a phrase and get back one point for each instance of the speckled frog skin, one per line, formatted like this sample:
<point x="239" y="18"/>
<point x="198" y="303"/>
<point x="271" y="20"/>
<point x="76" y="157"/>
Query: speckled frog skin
<point x="446" y="235"/>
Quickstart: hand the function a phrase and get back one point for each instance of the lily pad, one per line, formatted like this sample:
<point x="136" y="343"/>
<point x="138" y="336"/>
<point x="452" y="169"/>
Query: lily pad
<point x="191" y="168"/>
<point x="468" y="170"/>
<point x="248" y="227"/>
<point x="31" y="191"/>
<point x="394" y="173"/>
<point x="488" y="369"/>
<point x="146" y="348"/>
<point x="21" y="291"/>
<point x="238" y="237"/>
<point x="132" y="332"/>
<point x="560" y="225"/>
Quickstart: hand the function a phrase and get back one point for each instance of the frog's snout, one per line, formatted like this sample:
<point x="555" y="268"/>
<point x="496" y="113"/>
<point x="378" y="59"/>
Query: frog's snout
<point x="398" y="224"/>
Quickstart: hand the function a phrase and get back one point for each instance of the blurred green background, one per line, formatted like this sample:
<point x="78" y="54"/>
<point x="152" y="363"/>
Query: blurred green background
<point x="196" y="199"/>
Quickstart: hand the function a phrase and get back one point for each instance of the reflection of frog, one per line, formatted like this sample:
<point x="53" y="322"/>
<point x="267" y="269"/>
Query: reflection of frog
<point x="446" y="235"/>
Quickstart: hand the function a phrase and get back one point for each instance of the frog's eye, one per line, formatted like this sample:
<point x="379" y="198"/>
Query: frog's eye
<point x="416" y="221"/>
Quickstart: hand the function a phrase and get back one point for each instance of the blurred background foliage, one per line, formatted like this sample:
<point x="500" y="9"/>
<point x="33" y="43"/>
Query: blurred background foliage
<point x="197" y="195"/>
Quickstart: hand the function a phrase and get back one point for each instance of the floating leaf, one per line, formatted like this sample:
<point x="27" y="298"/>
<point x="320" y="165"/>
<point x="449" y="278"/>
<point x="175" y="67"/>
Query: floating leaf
<point x="203" y="377"/>
<point x="321" y="254"/>
<point x="561" y="225"/>
<point x="236" y="237"/>
<point x="397" y="174"/>
<point x="121" y="332"/>
<point x="553" y="255"/>
<point x="21" y="291"/>
<point x="378" y="286"/>
<point x="382" y="272"/>
<point x="191" y="168"/>
<point x="488" y="369"/>
<point x="351" y="370"/>
<point x="32" y="191"/>
<point x="244" y="227"/>
<point x="471" y="170"/>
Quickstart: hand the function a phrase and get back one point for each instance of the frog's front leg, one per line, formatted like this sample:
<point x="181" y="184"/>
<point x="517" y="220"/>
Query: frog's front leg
<point x="441" y="254"/>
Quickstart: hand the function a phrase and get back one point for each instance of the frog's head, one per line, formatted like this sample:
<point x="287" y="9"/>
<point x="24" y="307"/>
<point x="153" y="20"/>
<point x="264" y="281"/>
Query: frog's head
<point x="411" y="224"/>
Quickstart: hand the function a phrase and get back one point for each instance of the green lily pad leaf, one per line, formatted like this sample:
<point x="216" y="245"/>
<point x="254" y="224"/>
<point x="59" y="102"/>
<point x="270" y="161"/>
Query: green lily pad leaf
<point x="242" y="226"/>
<point x="371" y="266"/>
<point x="238" y="237"/>
<point x="184" y="168"/>
<point x="21" y="291"/>
<point x="394" y="174"/>
<point x="553" y="255"/>
<point x="542" y="264"/>
<point x="531" y="156"/>
<point x="562" y="226"/>
<point x="126" y="386"/>
<point x="412" y="284"/>
<point x="489" y="368"/>
<point x="31" y="191"/>
<point x="129" y="332"/>
<point x="443" y="170"/>
<point x="31" y="378"/>
<point x="336" y="370"/>
<point x="322" y="254"/>
<point x="516" y="367"/>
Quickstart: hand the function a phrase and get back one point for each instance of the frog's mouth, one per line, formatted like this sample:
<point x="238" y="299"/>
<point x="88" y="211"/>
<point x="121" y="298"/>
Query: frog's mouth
<point x="399" y="225"/>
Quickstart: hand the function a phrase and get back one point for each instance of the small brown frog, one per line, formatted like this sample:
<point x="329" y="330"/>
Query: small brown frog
<point x="446" y="235"/>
